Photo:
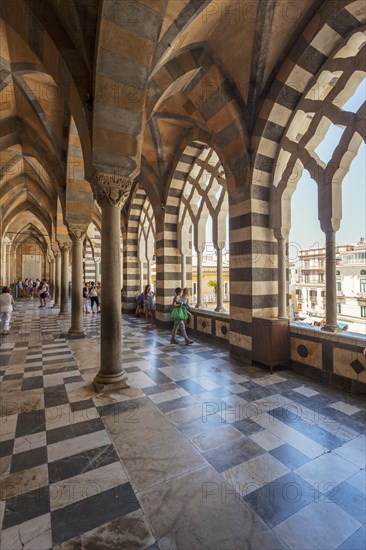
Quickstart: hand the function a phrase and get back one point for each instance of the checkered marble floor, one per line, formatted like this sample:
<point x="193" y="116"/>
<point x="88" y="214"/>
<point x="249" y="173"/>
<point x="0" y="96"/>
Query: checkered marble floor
<point x="200" y="451"/>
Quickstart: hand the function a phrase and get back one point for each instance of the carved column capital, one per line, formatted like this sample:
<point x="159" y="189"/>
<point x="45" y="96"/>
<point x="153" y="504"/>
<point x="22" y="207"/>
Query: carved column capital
<point x="65" y="247"/>
<point x="111" y="189"/>
<point x="77" y="232"/>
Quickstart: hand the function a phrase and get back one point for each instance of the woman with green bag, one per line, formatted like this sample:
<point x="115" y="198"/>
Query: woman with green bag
<point x="179" y="315"/>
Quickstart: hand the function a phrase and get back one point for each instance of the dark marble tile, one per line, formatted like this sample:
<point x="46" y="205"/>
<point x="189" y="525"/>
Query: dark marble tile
<point x="202" y="424"/>
<point x="18" y="376"/>
<point x="6" y="447"/>
<point x="229" y="455"/>
<point x="257" y="393"/>
<point x="72" y="379"/>
<point x="55" y="395"/>
<point x="320" y="435"/>
<point x="349" y="499"/>
<point x="81" y="405"/>
<point x="74" y="430"/>
<point x="247" y="426"/>
<point x="132" y="369"/>
<point x="159" y="389"/>
<point x="280" y="499"/>
<point x="26" y="506"/>
<point x="30" y="423"/>
<point x="58" y="370"/>
<point x="32" y="383"/>
<point x="92" y="512"/>
<point x="176" y="404"/>
<point x="28" y="459"/>
<point x="82" y="462"/>
<point x="357" y="541"/>
<point x="190" y="386"/>
<point x="32" y="369"/>
<point x="158" y="376"/>
<point x="289" y="456"/>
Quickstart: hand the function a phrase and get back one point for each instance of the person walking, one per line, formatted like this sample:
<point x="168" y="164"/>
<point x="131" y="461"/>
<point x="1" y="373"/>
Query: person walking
<point x="6" y="309"/>
<point x="179" y="314"/>
<point x="20" y="288"/>
<point x="93" y="297"/>
<point x="186" y="296"/>
<point x="86" y="298"/>
<point x="43" y="292"/>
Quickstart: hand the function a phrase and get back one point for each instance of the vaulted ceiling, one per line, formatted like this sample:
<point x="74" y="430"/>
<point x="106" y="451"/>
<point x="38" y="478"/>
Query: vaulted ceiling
<point x="120" y="87"/>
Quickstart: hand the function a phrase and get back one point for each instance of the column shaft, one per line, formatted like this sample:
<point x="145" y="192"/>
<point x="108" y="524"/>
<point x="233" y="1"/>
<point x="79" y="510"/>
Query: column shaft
<point x="77" y="324"/>
<point x="149" y="272"/>
<point x="220" y="282"/>
<point x="199" y="279"/>
<point x="142" y="285"/>
<point x="64" y="310"/>
<point x="57" y="280"/>
<point x="330" y="283"/>
<point x="282" y="291"/>
<point x="184" y="271"/>
<point x="111" y="371"/>
<point x="8" y="269"/>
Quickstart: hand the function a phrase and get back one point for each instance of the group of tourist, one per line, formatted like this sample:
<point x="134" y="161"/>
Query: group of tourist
<point x="91" y="297"/>
<point x="146" y="304"/>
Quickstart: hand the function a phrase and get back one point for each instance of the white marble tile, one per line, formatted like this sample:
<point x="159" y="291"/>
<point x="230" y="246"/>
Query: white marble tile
<point x="165" y="396"/>
<point x="317" y="526"/>
<point x="326" y="471"/>
<point x="34" y="534"/>
<point x="267" y="440"/>
<point x="140" y="380"/>
<point x="305" y="391"/>
<point x="344" y="407"/>
<point x="254" y="473"/>
<point x="77" y="445"/>
<point x="236" y="388"/>
<point x="269" y="380"/>
<point x="206" y="383"/>
<point x="85" y="485"/>
<point x="237" y="378"/>
<point x="354" y="451"/>
<point x="28" y="442"/>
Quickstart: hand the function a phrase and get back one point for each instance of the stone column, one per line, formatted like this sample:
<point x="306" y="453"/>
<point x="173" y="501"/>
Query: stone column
<point x="64" y="306"/>
<point x="8" y="261"/>
<point x="220" y="281"/>
<point x="184" y="271"/>
<point x="57" y="279"/>
<point x="97" y="270"/>
<point x="331" y="324"/>
<point x="111" y="191"/>
<point x="281" y="267"/>
<point x="77" y="234"/>
<point x="142" y="285"/>
<point x="149" y="271"/>
<point x="199" y="278"/>
<point x="52" y="279"/>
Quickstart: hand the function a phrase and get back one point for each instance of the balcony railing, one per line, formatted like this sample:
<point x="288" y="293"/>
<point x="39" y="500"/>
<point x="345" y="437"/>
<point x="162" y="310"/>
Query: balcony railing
<point x="361" y="296"/>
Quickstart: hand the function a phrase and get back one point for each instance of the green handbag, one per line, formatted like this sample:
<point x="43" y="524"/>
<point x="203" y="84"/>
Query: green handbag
<point x="179" y="314"/>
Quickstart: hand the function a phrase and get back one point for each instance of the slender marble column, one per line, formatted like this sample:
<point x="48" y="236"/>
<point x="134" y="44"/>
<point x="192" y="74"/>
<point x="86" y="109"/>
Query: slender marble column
<point x="65" y="249"/>
<point x="199" y="278"/>
<point x="110" y="192"/>
<point x="331" y="324"/>
<point x="184" y="270"/>
<point x="142" y="284"/>
<point x="57" y="279"/>
<point x="77" y="234"/>
<point x="220" y="282"/>
<point x="8" y="262"/>
<point x="149" y="272"/>
<point x="282" y="284"/>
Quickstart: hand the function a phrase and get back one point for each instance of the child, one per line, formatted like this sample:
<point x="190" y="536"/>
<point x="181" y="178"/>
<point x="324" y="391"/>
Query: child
<point x="177" y="302"/>
<point x="6" y="309"/>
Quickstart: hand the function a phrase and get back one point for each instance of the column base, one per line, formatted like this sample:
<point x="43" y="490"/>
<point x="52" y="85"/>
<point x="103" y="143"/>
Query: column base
<point x="64" y="314"/>
<point x="220" y="309"/>
<point x="114" y="382"/>
<point x="75" y="334"/>
<point x="331" y="327"/>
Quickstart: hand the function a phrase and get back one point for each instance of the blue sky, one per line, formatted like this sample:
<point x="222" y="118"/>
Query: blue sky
<point x="305" y="227"/>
